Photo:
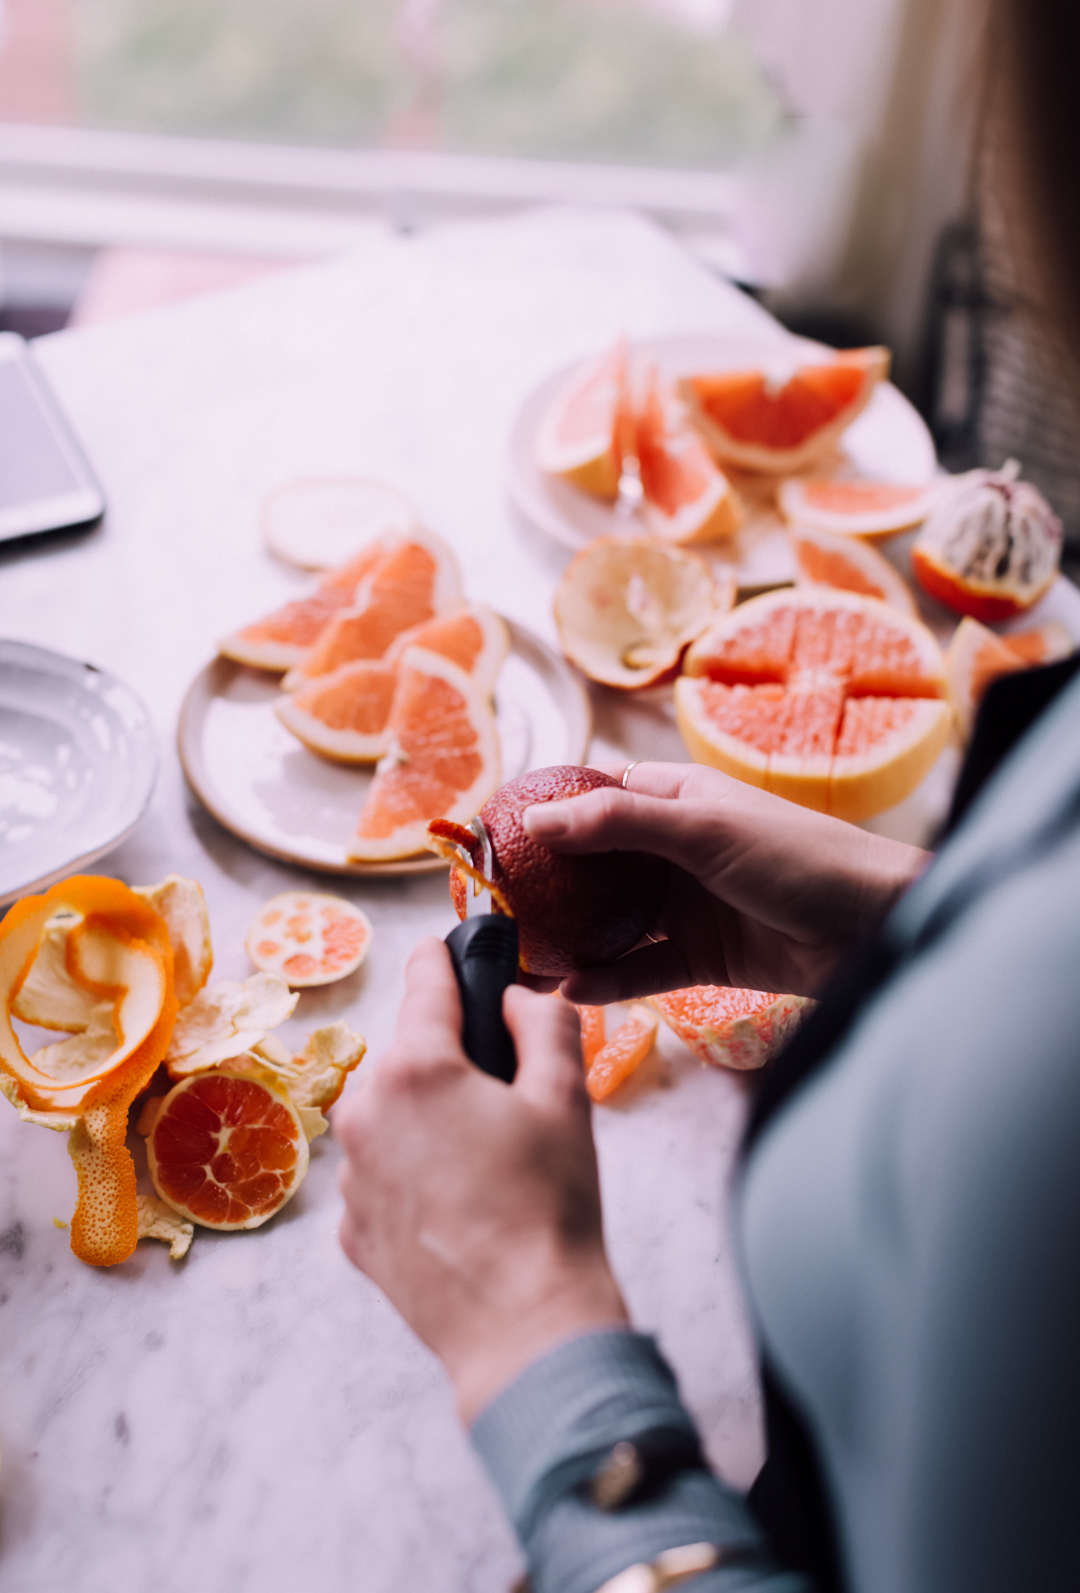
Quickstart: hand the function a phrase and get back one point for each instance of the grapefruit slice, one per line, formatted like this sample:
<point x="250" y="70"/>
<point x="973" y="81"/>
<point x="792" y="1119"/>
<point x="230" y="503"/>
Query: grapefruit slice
<point x="741" y="1029"/>
<point x="855" y="508"/>
<point x="977" y="656"/>
<point x="319" y="522"/>
<point x="308" y="938"/>
<point x="828" y="698"/>
<point x="227" y="1148"/>
<point x="686" y="497"/>
<point x="627" y="608"/>
<point x="411" y="583"/>
<point x="619" y="1058"/>
<point x="991" y="548"/>
<point x="576" y="438"/>
<point x="592" y="1032"/>
<point x="282" y="638"/>
<point x="825" y="559"/>
<point x="443" y="761"/>
<point x="476" y="638"/>
<point x="780" y="423"/>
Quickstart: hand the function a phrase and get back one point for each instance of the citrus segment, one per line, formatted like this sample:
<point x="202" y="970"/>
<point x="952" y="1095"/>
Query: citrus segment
<point x="282" y="638"/>
<point x="739" y="1029"/>
<point x="686" y="497"/>
<point x="319" y="522"/>
<point x="576" y="438"/>
<point x="618" y="1058"/>
<point x="343" y="715"/>
<point x="855" y="508"/>
<point x="826" y="559"/>
<point x="307" y="938"/>
<point x="627" y="607"/>
<point x="443" y="760"/>
<point x="754" y="420"/>
<point x="474" y="638"/>
<point x="977" y="656"/>
<point x="886" y="746"/>
<point x="593" y="1031"/>
<point x="227" y="1149"/>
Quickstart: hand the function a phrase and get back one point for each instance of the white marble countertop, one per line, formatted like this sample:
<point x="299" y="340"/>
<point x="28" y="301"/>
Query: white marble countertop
<point x="257" y="1416"/>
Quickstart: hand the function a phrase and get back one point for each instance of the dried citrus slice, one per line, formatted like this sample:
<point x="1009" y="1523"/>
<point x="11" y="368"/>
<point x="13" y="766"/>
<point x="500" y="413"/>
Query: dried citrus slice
<point x="687" y="498"/>
<point x="977" y="656"/>
<point x="413" y="582"/>
<point x="618" y="1058"/>
<point x="227" y="1149"/>
<point x="117" y="950"/>
<point x="727" y="1028"/>
<point x="825" y="697"/>
<point x="317" y="522"/>
<point x="627" y="607"/>
<point x="781" y="421"/>
<point x="307" y="938"/>
<point x="852" y="566"/>
<point x="991" y="548"/>
<point x="576" y="438"/>
<point x="855" y="508"/>
<point x="443" y="761"/>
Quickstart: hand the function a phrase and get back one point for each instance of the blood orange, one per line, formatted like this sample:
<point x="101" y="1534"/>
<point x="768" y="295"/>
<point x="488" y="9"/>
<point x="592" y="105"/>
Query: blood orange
<point x="686" y="497"/>
<point x="825" y="559"/>
<point x="824" y="697"/>
<point x="227" y="1148"/>
<point x="281" y="639"/>
<point x="577" y="437"/>
<point x="781" y="424"/>
<point x="977" y="656"/>
<point x="443" y="760"/>
<point x="740" y="1029"/>
<point x="855" y="508"/>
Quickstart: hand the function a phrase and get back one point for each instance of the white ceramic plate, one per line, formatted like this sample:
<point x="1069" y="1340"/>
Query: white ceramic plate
<point x="77" y="766"/>
<point x="263" y="785"/>
<point x="888" y="442"/>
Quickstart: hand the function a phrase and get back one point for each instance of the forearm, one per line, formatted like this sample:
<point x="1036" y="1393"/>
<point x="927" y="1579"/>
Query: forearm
<point x="545" y="1435"/>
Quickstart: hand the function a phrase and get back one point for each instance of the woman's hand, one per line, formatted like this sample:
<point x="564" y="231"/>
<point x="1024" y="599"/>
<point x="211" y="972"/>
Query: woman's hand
<point x="764" y="894"/>
<point x="474" y="1205"/>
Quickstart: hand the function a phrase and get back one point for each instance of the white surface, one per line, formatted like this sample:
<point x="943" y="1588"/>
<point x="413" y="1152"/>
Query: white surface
<point x="257" y="1418"/>
<point x="889" y="442"/>
<point x="77" y="766"/>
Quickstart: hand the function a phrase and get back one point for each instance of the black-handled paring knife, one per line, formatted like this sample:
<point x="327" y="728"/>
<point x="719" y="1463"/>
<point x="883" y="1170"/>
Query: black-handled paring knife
<point x="484" y="951"/>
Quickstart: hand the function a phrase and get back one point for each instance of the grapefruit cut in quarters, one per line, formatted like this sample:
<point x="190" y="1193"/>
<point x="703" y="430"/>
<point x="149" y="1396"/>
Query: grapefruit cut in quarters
<point x="977" y="656"/>
<point x="825" y="559"/>
<point x="576" y="438"/>
<point x="825" y="697"/>
<point x="308" y="938"/>
<point x="617" y="1059"/>
<point x="474" y="637"/>
<point x="991" y="548"/>
<point x="317" y="522"/>
<point x="411" y="583"/>
<point x="687" y="498"/>
<point x="627" y="608"/>
<point x="740" y="1029"/>
<point x="855" y="508"/>
<point x="781" y="420"/>
<point x="282" y="638"/>
<point x="443" y="761"/>
<point x="227" y="1148"/>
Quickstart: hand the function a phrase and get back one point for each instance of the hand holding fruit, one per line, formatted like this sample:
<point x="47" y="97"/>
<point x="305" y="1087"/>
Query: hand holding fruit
<point x="764" y="894"/>
<point x="474" y="1205"/>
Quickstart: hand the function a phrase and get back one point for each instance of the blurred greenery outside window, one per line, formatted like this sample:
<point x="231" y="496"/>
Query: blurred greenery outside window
<point x="658" y="82"/>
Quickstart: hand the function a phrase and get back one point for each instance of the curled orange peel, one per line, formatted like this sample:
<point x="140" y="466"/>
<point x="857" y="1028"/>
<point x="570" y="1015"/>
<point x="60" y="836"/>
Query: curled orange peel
<point x="457" y="844"/>
<point x="120" y="954"/>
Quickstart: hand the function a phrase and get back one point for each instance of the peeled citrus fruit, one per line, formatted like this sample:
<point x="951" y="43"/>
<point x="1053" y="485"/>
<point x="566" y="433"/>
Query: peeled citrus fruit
<point x="977" y="656"/>
<point x="739" y="1029"/>
<point x="780" y="423"/>
<point x="627" y="608"/>
<point x="855" y="508"/>
<point x="992" y="546"/>
<point x="411" y="583"/>
<point x="576" y="438"/>
<point x="227" y="1148"/>
<point x="613" y="1061"/>
<point x="281" y="639"/>
<point x="571" y="912"/>
<point x="825" y="697"/>
<point x="686" y="497"/>
<point x="825" y="559"/>
<point x="318" y="522"/>
<point x="593" y="1033"/>
<point x="307" y="938"/>
<point x="443" y="760"/>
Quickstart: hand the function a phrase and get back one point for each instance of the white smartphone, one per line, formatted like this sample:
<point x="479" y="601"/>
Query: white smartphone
<point x="45" y="481"/>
